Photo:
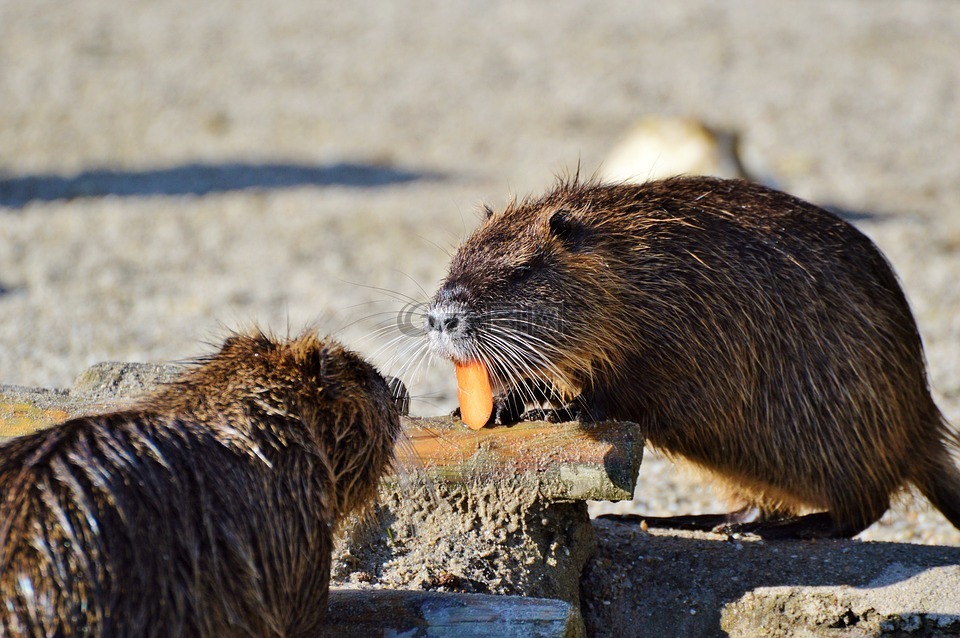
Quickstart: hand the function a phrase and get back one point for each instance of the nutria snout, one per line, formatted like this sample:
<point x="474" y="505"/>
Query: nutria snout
<point x="206" y="509"/>
<point x="750" y="332"/>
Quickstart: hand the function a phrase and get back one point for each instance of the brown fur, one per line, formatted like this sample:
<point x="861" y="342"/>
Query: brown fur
<point x="750" y="332"/>
<point x="207" y="509"/>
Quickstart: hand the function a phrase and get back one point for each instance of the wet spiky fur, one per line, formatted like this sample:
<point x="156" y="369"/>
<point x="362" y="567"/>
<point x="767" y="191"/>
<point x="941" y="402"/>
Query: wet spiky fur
<point x="745" y="330"/>
<point x="207" y="509"/>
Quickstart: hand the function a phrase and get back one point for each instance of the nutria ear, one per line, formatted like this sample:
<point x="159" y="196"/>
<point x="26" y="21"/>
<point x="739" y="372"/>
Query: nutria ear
<point x="565" y="227"/>
<point x="315" y="360"/>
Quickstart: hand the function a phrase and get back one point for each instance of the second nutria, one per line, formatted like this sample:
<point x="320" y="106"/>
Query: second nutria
<point x="206" y="509"/>
<point x="752" y="333"/>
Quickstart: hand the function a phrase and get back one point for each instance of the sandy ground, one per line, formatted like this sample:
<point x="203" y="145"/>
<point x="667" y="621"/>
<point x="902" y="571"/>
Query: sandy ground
<point x="170" y="170"/>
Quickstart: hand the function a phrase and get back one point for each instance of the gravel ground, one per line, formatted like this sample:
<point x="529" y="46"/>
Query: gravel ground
<point x="171" y="170"/>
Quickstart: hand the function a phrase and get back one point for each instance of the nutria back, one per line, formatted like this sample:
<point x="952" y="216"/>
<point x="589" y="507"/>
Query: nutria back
<point x="205" y="510"/>
<point x="743" y="329"/>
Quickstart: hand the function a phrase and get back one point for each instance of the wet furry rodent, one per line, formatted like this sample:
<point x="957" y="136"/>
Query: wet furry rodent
<point x="207" y="509"/>
<point x="752" y="333"/>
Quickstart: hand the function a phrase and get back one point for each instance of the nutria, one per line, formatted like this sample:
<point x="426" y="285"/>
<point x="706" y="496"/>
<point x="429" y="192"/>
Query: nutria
<point x="206" y="509"/>
<point x="752" y="333"/>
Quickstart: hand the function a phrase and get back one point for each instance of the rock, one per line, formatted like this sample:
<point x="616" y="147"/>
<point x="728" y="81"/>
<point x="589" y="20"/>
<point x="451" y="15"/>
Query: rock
<point x="112" y="380"/>
<point x="902" y="599"/>
<point x="362" y="613"/>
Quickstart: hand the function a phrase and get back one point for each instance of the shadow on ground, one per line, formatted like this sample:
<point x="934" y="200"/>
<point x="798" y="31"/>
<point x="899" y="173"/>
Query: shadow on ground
<point x="677" y="584"/>
<point x="199" y="179"/>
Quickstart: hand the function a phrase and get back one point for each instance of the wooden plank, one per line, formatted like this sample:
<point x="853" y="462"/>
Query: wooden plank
<point x="371" y="612"/>
<point x="566" y="461"/>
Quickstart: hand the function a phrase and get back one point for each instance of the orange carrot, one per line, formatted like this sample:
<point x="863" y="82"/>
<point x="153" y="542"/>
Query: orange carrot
<point x="474" y="394"/>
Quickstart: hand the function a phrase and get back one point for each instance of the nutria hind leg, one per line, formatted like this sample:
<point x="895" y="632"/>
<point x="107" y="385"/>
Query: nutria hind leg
<point x="807" y="527"/>
<point x="752" y="520"/>
<point x="942" y="489"/>
<point x="690" y="522"/>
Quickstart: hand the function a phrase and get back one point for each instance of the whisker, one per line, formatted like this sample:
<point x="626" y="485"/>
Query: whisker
<point x="395" y="294"/>
<point x="514" y="363"/>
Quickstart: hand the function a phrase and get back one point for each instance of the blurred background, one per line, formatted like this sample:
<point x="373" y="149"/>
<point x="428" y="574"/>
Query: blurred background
<point x="170" y="170"/>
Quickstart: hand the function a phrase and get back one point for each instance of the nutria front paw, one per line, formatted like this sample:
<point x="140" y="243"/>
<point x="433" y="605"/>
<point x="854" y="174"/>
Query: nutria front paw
<point x="505" y="412"/>
<point x="507" y="408"/>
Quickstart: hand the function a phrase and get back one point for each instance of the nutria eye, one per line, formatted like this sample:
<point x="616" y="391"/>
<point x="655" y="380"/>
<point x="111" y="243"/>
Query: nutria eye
<point x="521" y="272"/>
<point x="566" y="228"/>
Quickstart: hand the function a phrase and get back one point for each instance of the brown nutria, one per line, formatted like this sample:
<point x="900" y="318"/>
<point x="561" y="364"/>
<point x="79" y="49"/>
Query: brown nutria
<point x="206" y="509"/>
<point x="752" y="333"/>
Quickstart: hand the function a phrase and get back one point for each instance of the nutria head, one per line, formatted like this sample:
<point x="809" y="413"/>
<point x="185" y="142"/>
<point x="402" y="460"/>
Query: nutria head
<point x="266" y="394"/>
<point x="533" y="291"/>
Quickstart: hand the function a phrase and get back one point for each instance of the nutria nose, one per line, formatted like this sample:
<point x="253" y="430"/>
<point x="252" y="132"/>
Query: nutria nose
<point x="444" y="318"/>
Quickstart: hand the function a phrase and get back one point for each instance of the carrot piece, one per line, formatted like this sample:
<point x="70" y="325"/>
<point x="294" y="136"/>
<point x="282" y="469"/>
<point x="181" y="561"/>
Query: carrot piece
<point x="474" y="394"/>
